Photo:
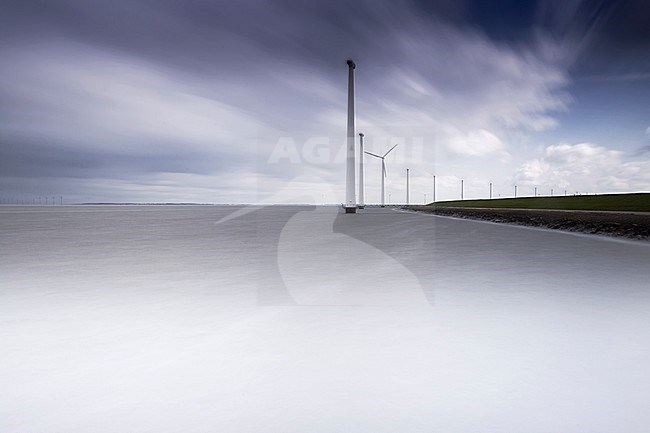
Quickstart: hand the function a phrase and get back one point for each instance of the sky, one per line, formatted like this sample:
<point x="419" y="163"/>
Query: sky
<point x="245" y="102"/>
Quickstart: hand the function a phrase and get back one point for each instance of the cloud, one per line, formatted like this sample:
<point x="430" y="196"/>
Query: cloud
<point x="79" y="107"/>
<point x="480" y="142"/>
<point x="462" y="93"/>
<point x="568" y="30"/>
<point x="585" y="167"/>
<point x="74" y="93"/>
<point x="205" y="90"/>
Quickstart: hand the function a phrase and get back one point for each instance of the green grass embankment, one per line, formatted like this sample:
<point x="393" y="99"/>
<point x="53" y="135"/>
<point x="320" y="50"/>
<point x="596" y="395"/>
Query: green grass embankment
<point x="637" y="202"/>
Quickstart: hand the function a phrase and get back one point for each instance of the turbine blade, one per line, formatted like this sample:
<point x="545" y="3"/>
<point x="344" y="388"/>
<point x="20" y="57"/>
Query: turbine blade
<point x="370" y="153"/>
<point x="390" y="150"/>
<point x="383" y="168"/>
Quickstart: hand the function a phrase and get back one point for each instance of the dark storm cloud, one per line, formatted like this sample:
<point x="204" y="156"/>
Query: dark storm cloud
<point x="216" y="38"/>
<point x="626" y="30"/>
<point x="213" y="36"/>
<point x="617" y="36"/>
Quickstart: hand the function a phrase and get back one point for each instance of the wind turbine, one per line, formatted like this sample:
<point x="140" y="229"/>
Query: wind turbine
<point x="383" y="172"/>
<point x="350" y="205"/>
<point x="362" y="201"/>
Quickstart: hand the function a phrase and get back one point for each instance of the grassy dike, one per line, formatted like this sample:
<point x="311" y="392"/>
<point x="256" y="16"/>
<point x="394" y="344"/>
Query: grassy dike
<point x="623" y="215"/>
<point x="639" y="202"/>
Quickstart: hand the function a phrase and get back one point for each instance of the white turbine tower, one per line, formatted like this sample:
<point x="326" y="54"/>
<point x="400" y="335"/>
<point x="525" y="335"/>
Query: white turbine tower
<point x="350" y="199"/>
<point x="383" y="173"/>
<point x="361" y="198"/>
<point x="408" y="188"/>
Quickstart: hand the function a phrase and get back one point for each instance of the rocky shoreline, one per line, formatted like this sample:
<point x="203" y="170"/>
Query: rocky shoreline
<point x="631" y="225"/>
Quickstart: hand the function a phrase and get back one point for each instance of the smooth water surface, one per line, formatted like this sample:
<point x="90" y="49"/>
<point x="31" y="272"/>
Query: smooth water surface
<point x="302" y="319"/>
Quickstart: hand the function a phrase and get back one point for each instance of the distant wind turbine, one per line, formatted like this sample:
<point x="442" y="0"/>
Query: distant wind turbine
<point x="383" y="172"/>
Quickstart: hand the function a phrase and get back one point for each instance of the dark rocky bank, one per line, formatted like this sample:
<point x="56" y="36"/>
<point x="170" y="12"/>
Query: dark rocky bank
<point x="621" y="224"/>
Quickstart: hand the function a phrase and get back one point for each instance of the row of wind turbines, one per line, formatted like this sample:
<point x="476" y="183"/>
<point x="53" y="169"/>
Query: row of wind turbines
<point x="351" y="205"/>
